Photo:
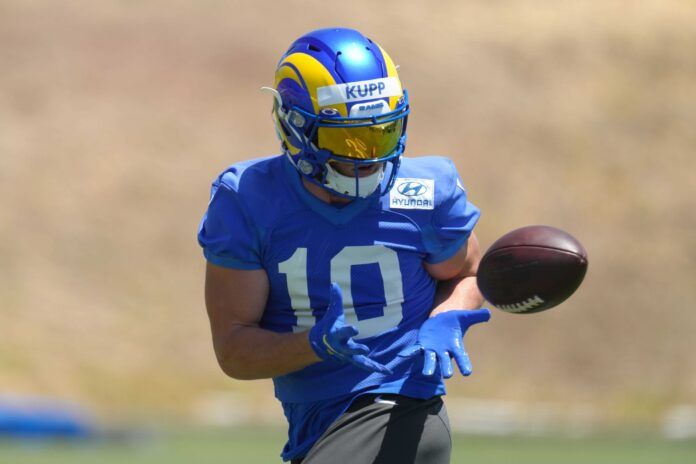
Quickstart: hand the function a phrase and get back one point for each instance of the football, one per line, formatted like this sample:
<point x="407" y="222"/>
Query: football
<point x="531" y="269"/>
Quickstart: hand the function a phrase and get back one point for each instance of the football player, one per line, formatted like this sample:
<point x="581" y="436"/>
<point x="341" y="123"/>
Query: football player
<point x="340" y="269"/>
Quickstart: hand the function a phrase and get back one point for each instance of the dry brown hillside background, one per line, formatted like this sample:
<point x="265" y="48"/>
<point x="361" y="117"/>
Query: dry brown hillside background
<point x="116" y="115"/>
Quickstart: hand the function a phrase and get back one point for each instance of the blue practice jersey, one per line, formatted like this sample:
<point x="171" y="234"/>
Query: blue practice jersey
<point x="260" y="216"/>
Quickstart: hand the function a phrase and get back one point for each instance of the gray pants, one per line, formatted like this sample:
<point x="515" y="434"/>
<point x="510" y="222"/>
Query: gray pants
<point x="386" y="429"/>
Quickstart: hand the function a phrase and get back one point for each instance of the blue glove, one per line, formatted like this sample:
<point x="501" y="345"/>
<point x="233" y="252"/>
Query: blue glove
<point x="332" y="338"/>
<point x="441" y="337"/>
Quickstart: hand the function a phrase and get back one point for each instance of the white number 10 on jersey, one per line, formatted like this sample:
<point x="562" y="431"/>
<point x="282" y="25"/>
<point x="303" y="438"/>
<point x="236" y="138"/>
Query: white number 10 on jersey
<point x="295" y="269"/>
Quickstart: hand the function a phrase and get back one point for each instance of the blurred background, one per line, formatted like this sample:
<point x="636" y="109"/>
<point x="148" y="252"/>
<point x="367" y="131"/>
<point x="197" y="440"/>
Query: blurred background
<point x="116" y="115"/>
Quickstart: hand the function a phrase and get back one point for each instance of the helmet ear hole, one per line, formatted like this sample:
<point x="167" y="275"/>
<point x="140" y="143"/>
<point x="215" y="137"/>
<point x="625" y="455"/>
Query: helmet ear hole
<point x="296" y="119"/>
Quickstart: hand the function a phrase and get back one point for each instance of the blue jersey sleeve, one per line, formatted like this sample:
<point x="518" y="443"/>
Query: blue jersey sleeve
<point x="453" y="220"/>
<point x="226" y="232"/>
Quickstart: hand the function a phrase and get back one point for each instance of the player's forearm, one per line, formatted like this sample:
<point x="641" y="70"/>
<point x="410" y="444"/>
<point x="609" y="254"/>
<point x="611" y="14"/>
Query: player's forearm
<point x="248" y="353"/>
<point x="457" y="293"/>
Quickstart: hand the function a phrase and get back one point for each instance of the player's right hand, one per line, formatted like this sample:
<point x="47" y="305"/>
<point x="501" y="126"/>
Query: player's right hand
<point x="332" y="338"/>
<point x="440" y="338"/>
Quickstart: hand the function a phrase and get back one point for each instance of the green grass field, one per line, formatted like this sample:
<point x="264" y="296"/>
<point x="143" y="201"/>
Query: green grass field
<point x="253" y="445"/>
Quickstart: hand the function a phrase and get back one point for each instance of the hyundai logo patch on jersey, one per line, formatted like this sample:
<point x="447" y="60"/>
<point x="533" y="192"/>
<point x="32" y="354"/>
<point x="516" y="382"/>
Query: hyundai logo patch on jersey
<point x="358" y="91"/>
<point x="412" y="194"/>
<point x="412" y="188"/>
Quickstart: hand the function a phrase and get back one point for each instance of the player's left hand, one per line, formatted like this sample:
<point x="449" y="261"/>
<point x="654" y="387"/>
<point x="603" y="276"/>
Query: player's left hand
<point x="332" y="338"/>
<point x="441" y="337"/>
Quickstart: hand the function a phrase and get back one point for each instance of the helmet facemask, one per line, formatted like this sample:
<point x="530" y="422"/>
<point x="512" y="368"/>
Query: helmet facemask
<point x="358" y="141"/>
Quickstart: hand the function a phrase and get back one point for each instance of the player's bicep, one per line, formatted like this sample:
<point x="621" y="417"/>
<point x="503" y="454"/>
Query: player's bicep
<point x="234" y="298"/>
<point x="463" y="263"/>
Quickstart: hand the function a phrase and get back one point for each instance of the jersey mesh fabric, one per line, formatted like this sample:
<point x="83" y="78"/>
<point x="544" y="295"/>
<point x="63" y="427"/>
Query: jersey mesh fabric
<point x="261" y="217"/>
